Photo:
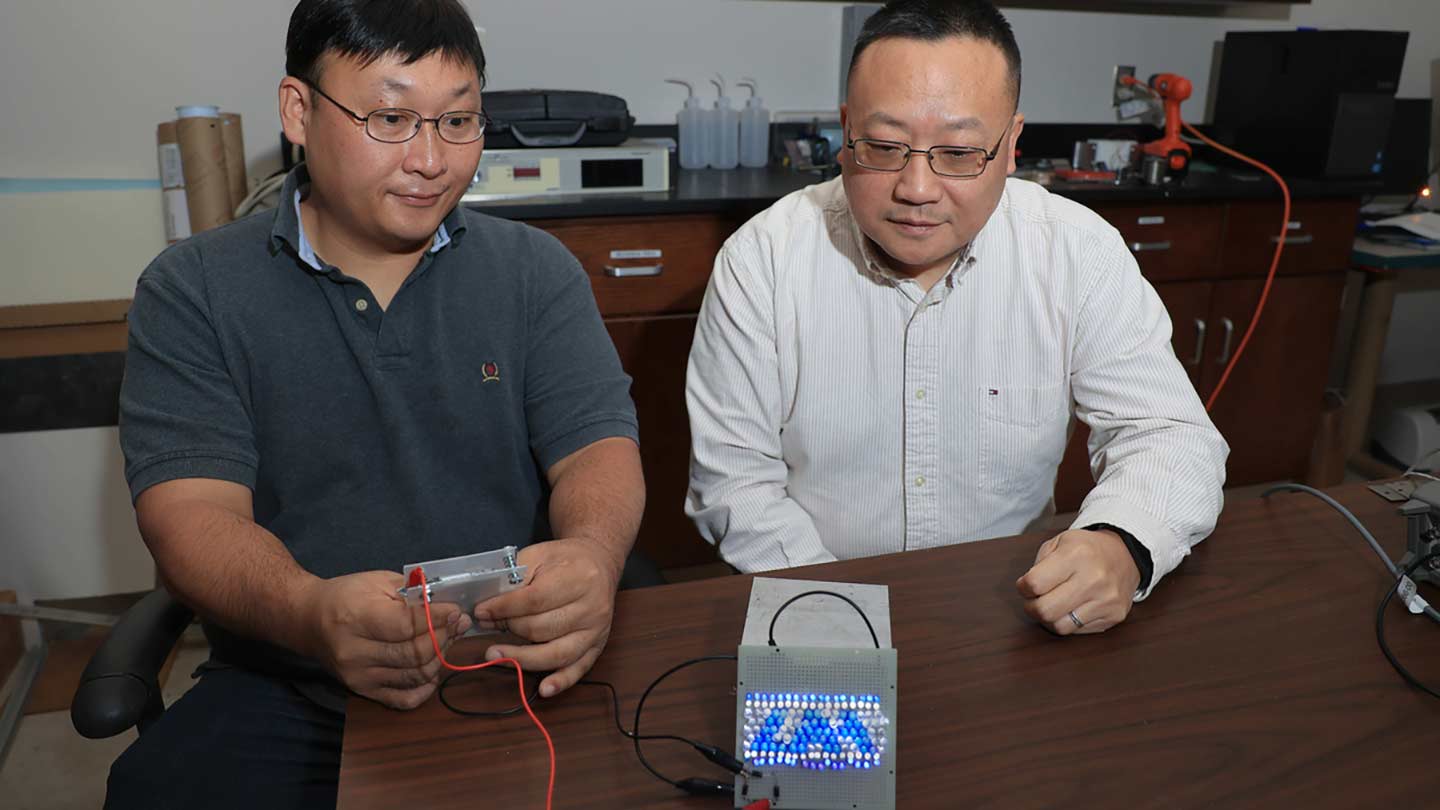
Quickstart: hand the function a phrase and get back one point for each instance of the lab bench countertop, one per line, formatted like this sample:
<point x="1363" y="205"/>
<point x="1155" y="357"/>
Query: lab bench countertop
<point x="740" y="191"/>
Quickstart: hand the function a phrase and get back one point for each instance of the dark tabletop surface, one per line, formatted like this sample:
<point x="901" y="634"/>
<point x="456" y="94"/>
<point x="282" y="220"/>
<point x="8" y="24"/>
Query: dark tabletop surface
<point x="1250" y="678"/>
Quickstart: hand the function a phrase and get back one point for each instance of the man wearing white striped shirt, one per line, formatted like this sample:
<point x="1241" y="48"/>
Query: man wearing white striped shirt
<point x="890" y="360"/>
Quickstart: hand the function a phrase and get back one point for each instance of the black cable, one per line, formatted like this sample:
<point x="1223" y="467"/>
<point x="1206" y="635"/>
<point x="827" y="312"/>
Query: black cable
<point x="1380" y="626"/>
<point x="516" y="709"/>
<point x="693" y="785"/>
<point x="847" y="600"/>
<point x="688" y="785"/>
<point x="628" y="734"/>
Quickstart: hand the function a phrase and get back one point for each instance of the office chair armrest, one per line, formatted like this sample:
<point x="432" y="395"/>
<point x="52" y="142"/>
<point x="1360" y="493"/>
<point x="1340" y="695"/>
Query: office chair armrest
<point x="120" y="686"/>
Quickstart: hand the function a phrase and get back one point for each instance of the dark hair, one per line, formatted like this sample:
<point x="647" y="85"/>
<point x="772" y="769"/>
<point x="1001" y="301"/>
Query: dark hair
<point x="932" y="20"/>
<point x="369" y="29"/>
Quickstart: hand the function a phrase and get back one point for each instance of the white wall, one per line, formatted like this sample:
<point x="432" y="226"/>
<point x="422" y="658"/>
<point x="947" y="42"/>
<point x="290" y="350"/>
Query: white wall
<point x="1069" y="56"/>
<point x="66" y="525"/>
<point x="99" y="74"/>
<point x="1412" y="350"/>
<point x="85" y="81"/>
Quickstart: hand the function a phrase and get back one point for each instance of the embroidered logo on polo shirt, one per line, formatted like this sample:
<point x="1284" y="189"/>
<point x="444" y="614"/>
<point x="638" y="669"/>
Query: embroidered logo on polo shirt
<point x="489" y="372"/>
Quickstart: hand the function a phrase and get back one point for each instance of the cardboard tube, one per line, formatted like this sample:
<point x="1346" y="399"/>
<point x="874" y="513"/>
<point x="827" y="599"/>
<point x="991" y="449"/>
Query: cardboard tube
<point x="202" y="156"/>
<point x="231" y="134"/>
<point x="172" y="183"/>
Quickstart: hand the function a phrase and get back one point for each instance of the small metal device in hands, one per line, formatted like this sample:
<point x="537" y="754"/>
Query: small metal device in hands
<point x="465" y="581"/>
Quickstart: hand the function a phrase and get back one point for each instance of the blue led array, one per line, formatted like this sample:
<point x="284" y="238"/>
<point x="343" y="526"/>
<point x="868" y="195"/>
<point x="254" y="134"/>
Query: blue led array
<point x="815" y="731"/>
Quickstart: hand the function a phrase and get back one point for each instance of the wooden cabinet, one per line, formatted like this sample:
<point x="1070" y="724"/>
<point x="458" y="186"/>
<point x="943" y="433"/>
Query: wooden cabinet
<point x="1270" y="408"/>
<point x="655" y="352"/>
<point x="649" y="276"/>
<point x="1318" y="237"/>
<point x="1171" y="240"/>
<point x="641" y="266"/>
<point x="1188" y="303"/>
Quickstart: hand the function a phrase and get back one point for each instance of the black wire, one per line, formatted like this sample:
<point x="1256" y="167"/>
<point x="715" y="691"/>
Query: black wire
<point x="615" y="700"/>
<point x="516" y="709"/>
<point x="636" y="736"/>
<point x="847" y="600"/>
<point x="1380" y="626"/>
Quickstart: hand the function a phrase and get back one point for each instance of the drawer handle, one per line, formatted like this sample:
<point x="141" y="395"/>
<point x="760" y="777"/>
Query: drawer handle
<point x="1141" y="247"/>
<point x="1199" y="341"/>
<point x="1225" y="347"/>
<point x="643" y="253"/>
<point x="634" y="272"/>
<point x="1156" y="220"/>
<point x="1304" y="239"/>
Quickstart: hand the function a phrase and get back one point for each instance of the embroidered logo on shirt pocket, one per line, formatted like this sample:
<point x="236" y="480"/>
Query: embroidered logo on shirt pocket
<point x="1022" y="436"/>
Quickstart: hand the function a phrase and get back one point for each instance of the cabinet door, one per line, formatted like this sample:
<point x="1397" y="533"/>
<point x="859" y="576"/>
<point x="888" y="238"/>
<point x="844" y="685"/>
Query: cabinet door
<point x="1188" y="303"/>
<point x="1270" y="408"/>
<point x="654" y="352"/>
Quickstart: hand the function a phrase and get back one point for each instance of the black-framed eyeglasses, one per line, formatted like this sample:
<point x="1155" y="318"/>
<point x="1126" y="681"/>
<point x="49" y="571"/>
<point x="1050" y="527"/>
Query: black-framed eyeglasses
<point x="398" y="125"/>
<point x="946" y="161"/>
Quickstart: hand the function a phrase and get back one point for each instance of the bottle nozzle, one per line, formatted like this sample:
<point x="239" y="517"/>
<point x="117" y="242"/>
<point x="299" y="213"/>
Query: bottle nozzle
<point x="750" y="83"/>
<point x="690" y="91"/>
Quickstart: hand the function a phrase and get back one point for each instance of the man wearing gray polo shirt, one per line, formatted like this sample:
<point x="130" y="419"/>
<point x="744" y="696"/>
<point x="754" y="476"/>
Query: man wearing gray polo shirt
<point x="368" y="376"/>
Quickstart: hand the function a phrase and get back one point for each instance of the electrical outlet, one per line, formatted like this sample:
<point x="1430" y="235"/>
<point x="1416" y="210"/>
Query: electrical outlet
<point x="1119" y="91"/>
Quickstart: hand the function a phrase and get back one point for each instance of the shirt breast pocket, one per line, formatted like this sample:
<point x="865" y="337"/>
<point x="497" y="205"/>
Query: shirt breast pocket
<point x="1022" y="436"/>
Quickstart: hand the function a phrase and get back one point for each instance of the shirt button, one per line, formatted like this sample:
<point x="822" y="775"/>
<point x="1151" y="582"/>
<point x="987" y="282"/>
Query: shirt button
<point x="919" y="480"/>
<point x="361" y="305"/>
<point x="920" y="394"/>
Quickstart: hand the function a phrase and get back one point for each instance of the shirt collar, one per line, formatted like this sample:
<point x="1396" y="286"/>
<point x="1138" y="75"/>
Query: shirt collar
<point x="874" y="268"/>
<point x="289" y="228"/>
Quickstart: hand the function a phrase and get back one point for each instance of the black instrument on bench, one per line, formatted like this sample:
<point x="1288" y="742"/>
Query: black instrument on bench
<point x="530" y="118"/>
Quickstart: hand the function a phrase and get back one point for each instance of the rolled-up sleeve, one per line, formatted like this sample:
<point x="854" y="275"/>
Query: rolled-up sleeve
<point x="738" y="497"/>
<point x="1158" y="461"/>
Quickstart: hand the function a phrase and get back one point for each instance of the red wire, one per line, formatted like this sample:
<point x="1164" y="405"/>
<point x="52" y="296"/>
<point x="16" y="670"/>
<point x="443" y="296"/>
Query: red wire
<point x="519" y="677"/>
<point x="1274" y="262"/>
<point x="1279" y="243"/>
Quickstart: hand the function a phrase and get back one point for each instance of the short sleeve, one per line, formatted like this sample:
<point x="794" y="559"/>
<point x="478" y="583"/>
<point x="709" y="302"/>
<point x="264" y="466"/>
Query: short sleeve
<point x="576" y="392"/>
<point x="181" y="415"/>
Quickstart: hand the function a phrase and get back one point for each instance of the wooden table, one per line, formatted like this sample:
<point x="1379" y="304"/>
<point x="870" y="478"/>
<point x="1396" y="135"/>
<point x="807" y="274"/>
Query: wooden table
<point x="1251" y="678"/>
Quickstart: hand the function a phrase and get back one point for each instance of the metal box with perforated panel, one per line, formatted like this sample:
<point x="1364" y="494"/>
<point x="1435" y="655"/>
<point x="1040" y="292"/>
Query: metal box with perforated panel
<point x="818" y="724"/>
